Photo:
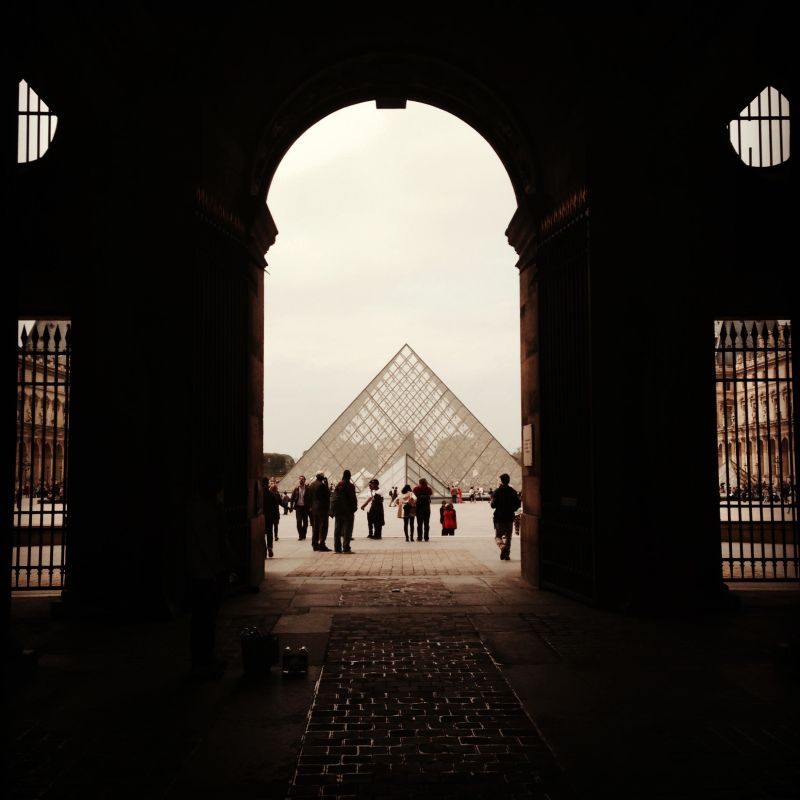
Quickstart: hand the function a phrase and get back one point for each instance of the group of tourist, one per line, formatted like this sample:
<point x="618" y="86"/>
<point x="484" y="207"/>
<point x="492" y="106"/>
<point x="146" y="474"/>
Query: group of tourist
<point x="474" y="493"/>
<point x="316" y="503"/>
<point x="415" y="504"/>
<point x="210" y="558"/>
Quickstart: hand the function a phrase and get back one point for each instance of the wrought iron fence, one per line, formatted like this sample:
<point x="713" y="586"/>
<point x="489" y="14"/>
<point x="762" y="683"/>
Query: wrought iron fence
<point x="41" y="485"/>
<point x="756" y="450"/>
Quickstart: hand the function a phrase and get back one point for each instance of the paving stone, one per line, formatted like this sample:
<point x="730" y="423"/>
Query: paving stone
<point x="399" y="683"/>
<point x="413" y="561"/>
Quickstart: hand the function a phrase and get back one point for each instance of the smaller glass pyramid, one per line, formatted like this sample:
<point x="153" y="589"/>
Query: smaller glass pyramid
<point x="404" y="425"/>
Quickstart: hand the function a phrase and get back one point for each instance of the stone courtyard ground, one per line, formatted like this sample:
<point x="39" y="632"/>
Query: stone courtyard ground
<point x="435" y="671"/>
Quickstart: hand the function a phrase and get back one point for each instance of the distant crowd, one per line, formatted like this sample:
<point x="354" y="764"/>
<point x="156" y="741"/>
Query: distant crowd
<point x="760" y="492"/>
<point x="44" y="491"/>
<point x="314" y="504"/>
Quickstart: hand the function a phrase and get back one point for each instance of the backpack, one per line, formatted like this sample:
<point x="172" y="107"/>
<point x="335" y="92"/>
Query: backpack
<point x="336" y="502"/>
<point x="423" y="503"/>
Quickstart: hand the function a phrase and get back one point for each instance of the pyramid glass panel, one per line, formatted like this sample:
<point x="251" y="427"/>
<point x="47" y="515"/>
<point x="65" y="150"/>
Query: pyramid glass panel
<point x="404" y="425"/>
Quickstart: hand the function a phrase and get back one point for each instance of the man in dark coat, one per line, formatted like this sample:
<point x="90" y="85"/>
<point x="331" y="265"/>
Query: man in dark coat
<point x="345" y="505"/>
<point x="423" y="493"/>
<point x="319" y="495"/>
<point x="505" y="502"/>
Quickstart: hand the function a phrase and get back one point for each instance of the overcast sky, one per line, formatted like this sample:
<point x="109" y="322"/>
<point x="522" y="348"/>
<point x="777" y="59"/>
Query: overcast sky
<point x="391" y="230"/>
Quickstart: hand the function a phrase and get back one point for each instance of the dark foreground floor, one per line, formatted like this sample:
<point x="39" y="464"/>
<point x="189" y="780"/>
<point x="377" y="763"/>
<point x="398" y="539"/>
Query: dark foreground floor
<point x="439" y="675"/>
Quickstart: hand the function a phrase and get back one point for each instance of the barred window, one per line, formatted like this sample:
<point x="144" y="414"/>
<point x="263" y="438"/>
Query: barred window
<point x="36" y="125"/>
<point x="760" y="134"/>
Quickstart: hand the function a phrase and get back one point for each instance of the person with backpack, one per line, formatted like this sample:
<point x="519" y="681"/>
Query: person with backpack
<point x="505" y="502"/>
<point x="406" y="505"/>
<point x="423" y="494"/>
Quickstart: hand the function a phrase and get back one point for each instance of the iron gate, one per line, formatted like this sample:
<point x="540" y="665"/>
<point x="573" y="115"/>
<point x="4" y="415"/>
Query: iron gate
<point x="40" y="499"/>
<point x="756" y="450"/>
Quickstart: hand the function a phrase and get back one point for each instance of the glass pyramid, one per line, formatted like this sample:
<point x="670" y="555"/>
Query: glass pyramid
<point x="404" y="425"/>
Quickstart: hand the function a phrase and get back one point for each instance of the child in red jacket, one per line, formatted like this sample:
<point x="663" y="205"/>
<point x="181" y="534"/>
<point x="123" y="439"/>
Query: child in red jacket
<point x="447" y="516"/>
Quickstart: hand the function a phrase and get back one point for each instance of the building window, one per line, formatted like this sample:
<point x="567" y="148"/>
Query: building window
<point x="36" y="125"/>
<point x="760" y="134"/>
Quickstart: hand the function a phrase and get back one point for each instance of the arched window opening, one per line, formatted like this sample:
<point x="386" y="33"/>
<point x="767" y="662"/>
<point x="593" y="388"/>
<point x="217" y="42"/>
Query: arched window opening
<point x="36" y="125"/>
<point x="760" y="134"/>
<point x="44" y="356"/>
<point x="757" y="477"/>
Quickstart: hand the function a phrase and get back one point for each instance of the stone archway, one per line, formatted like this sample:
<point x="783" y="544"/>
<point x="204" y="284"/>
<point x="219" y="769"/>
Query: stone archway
<point x="392" y="79"/>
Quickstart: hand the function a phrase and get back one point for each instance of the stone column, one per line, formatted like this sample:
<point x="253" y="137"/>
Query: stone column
<point x="521" y="234"/>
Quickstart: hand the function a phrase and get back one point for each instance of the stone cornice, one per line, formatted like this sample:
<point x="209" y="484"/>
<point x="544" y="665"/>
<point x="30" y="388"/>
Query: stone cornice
<point x="218" y="215"/>
<point x="574" y="207"/>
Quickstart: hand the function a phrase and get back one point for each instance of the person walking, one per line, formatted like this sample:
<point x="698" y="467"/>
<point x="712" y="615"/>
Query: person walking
<point x="343" y="506"/>
<point x="375" y="518"/>
<point x="298" y="503"/>
<point x="505" y="502"/>
<point x="272" y="514"/>
<point x="448" y="518"/>
<point x="319" y="496"/>
<point x="423" y="494"/>
<point x="273" y="487"/>
<point x="406" y="506"/>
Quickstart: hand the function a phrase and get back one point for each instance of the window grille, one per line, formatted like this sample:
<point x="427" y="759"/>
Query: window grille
<point x="36" y="125"/>
<point x="760" y="134"/>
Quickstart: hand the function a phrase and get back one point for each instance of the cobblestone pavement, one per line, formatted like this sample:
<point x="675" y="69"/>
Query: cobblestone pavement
<point x="416" y="560"/>
<point x="397" y="592"/>
<point x="419" y="685"/>
<point x="415" y="707"/>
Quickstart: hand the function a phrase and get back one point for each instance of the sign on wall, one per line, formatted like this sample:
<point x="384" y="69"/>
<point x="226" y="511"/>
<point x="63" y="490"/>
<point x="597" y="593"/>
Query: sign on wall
<point x="527" y="445"/>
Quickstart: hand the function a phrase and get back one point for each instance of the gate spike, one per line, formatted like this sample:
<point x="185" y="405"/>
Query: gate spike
<point x="759" y="324"/>
<point x="749" y="328"/>
<point x="68" y="334"/>
<point x="46" y="336"/>
<point x="769" y="332"/>
<point x="741" y="334"/>
<point x="24" y="337"/>
<point x="730" y="334"/>
<point x="57" y="336"/>
<point x="35" y="335"/>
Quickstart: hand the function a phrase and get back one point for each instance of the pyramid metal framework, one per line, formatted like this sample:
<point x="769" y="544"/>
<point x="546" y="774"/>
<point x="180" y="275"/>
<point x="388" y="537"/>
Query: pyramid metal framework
<point x="404" y="425"/>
